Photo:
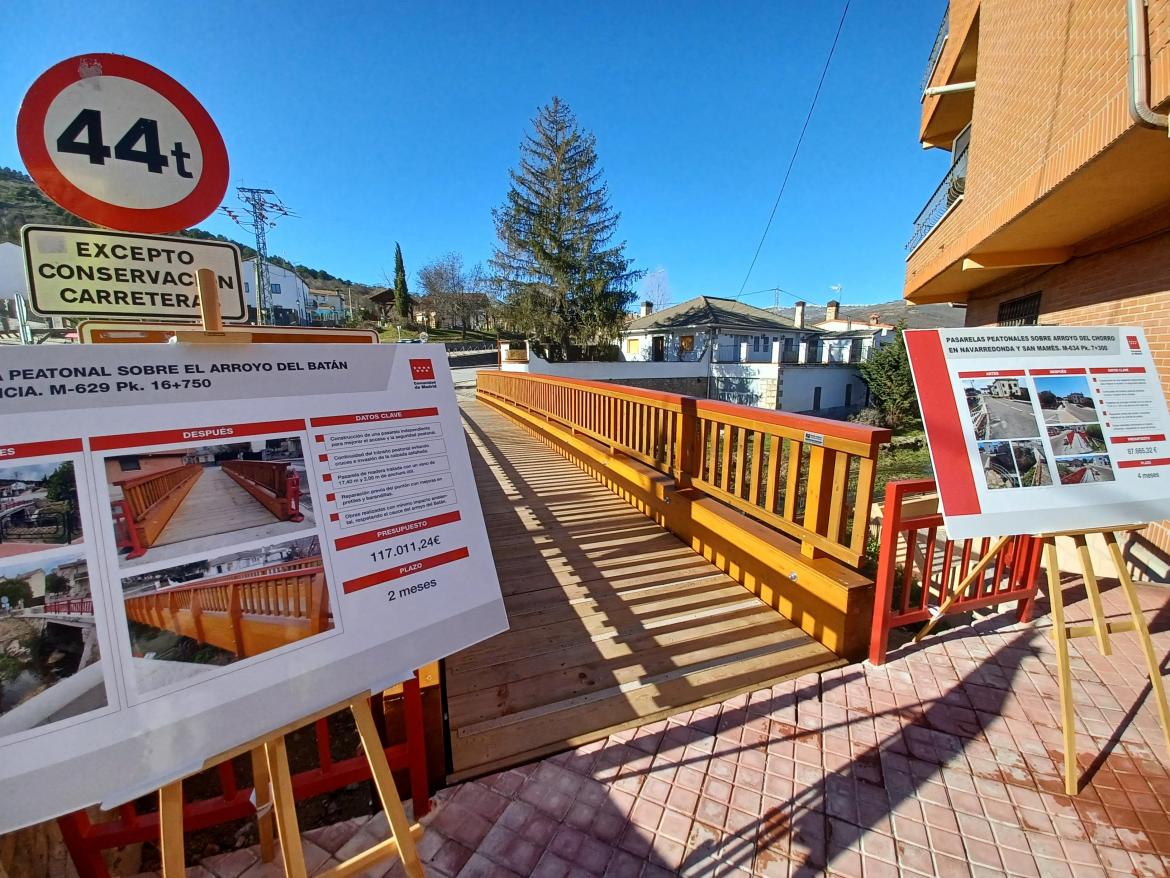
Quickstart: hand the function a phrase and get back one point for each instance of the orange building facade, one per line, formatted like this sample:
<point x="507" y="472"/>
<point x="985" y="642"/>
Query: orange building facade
<point x="1056" y="209"/>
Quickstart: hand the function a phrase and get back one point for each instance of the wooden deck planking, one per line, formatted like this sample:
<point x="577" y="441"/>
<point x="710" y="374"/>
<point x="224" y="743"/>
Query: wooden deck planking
<point x="614" y="621"/>
<point x="216" y="504"/>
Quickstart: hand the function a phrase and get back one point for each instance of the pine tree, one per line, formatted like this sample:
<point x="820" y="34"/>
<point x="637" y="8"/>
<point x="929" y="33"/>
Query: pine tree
<point x="401" y="295"/>
<point x="891" y="384"/>
<point x="558" y="274"/>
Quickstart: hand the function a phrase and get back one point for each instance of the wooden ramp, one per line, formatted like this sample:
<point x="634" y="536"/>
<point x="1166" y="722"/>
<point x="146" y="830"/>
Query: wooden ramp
<point x="614" y="621"/>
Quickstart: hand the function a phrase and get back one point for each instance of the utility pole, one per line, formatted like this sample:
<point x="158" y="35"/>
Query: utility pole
<point x="260" y="205"/>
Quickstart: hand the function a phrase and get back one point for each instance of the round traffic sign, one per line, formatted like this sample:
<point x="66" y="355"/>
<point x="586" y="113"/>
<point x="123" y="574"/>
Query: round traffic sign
<point x="121" y="144"/>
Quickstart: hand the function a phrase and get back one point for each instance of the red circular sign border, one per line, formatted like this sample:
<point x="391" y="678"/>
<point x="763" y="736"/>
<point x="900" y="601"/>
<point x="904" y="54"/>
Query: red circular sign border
<point x="194" y="208"/>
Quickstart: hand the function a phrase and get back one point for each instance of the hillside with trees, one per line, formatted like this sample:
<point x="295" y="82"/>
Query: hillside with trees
<point x="22" y="203"/>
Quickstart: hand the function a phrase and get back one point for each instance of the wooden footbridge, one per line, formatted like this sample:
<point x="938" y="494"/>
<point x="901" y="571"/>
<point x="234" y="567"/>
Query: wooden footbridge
<point x="656" y="553"/>
<point x="191" y="501"/>
<point x="245" y="613"/>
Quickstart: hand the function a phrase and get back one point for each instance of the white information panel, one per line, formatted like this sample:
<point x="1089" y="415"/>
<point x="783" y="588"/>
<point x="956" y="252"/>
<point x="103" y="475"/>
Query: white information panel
<point x="201" y="543"/>
<point x="1044" y="428"/>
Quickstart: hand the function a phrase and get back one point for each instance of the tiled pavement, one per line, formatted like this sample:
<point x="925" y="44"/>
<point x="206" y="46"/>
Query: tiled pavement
<point x="945" y="761"/>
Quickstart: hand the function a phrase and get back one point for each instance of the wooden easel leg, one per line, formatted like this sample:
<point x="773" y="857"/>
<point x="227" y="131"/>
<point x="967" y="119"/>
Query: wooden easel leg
<point x="261" y="784"/>
<point x="1143" y="632"/>
<point x="170" y="830"/>
<point x="1100" y="629"/>
<point x="962" y="586"/>
<point x="1064" y="675"/>
<point x="384" y="783"/>
<point x="285" y="806"/>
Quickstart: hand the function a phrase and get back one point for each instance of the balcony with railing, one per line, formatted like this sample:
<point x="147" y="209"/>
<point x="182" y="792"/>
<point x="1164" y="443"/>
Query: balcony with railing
<point x="948" y="194"/>
<point x="936" y="51"/>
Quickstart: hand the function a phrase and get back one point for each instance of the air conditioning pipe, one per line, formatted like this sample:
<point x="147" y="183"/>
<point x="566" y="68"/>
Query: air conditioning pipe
<point x="949" y="89"/>
<point x="1139" y="69"/>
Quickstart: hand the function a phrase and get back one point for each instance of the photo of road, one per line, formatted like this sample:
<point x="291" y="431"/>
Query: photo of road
<point x="1001" y="408"/>
<point x="1076" y="439"/>
<point x="1085" y="470"/>
<point x="1066" y="400"/>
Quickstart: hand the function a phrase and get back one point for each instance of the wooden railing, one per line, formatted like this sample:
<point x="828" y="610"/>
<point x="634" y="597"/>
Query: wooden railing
<point x="811" y="478"/>
<point x="283" y="567"/>
<point x="243" y="613"/>
<point x="919" y="568"/>
<point x="147" y="504"/>
<point x="274" y="484"/>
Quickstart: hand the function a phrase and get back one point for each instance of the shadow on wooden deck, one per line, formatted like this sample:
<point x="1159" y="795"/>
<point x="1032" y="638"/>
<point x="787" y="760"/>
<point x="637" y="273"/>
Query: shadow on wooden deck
<point x="614" y="621"/>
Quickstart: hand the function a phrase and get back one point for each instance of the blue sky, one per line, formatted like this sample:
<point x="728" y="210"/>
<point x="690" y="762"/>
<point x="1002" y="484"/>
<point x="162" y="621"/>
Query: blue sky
<point x="379" y="122"/>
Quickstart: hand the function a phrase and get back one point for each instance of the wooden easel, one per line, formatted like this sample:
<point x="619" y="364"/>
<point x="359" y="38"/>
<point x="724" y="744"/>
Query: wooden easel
<point x="270" y="769"/>
<point x="962" y="585"/>
<point x="1100" y="629"/>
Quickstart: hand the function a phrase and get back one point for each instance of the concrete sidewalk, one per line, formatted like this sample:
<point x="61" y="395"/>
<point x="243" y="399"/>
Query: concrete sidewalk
<point x="946" y="761"/>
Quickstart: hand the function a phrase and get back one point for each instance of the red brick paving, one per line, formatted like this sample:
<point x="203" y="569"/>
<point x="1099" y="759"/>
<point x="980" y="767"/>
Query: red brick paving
<point x="945" y="761"/>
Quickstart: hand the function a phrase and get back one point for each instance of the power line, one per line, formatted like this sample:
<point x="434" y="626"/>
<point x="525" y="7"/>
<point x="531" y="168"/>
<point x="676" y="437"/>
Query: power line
<point x="796" y="149"/>
<point x="259" y="205"/>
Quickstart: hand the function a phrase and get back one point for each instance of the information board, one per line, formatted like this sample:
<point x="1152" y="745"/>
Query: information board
<point x="203" y="542"/>
<point x="1043" y="429"/>
<point x="94" y="273"/>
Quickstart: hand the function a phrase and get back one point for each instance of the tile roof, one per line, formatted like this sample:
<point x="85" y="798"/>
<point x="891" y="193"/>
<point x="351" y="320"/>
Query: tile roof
<point x="711" y="311"/>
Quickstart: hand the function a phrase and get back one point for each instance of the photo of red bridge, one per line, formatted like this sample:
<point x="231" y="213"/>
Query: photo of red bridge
<point x="244" y="613"/>
<point x="188" y="499"/>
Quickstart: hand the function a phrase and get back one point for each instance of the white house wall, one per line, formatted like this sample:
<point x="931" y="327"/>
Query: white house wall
<point x="293" y="294"/>
<point x="798" y="388"/>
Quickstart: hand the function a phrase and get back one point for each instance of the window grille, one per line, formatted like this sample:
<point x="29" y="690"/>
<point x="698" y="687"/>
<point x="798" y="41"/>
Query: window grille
<point x="1024" y="311"/>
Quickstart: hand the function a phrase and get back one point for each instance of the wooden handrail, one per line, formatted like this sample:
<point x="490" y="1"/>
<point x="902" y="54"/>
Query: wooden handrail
<point x="146" y="492"/>
<point x="274" y="484"/>
<point x="273" y="592"/>
<point x="283" y="567"/>
<point x="265" y="473"/>
<point x="811" y="478"/>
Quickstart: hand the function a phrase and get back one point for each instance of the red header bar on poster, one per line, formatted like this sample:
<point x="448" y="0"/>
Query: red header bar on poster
<point x="39" y="449"/>
<point x="1056" y="371"/>
<point x="1118" y="370"/>
<point x="1000" y="373"/>
<point x="209" y="435"/>
<point x="398" y="530"/>
<point x="404" y="570"/>
<point x="374" y="417"/>
<point x="1155" y="437"/>
<point x="1154" y="461"/>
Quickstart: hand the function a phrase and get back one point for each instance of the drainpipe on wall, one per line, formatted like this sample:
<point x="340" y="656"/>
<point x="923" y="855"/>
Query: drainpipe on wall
<point x="1139" y="69"/>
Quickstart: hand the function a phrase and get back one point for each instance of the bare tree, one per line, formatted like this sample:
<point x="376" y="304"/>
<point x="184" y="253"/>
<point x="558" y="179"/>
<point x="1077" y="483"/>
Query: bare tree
<point x="655" y="289"/>
<point x="453" y="294"/>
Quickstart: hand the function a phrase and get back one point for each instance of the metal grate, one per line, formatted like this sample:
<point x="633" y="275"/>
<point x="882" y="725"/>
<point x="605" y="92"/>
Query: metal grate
<point x="1024" y="311"/>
